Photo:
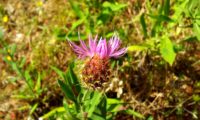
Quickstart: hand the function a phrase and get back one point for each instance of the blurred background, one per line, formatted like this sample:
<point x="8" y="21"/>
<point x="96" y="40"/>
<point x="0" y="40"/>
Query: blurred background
<point x="160" y="74"/>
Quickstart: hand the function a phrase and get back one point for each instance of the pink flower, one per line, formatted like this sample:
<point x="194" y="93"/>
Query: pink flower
<point x="103" y="49"/>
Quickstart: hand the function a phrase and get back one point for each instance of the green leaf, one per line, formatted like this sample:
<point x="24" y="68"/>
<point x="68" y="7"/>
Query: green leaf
<point x="113" y="105"/>
<point x="70" y="116"/>
<point x="22" y="62"/>
<point x="74" y="78"/>
<point x="76" y="9"/>
<point x="97" y="117"/>
<point x="150" y="118"/>
<point x="25" y="97"/>
<point x="101" y="109"/>
<point x="59" y="72"/>
<point x="38" y="83"/>
<point x="1" y="33"/>
<point x="59" y="33"/>
<point x="94" y="102"/>
<point x="193" y="7"/>
<point x="80" y="96"/>
<point x="16" y="68"/>
<point x="113" y="101"/>
<point x="87" y="94"/>
<point x="34" y="107"/>
<point x="137" y="48"/>
<point x="190" y="39"/>
<point x="196" y="29"/>
<point x="167" y="50"/>
<point x="76" y="24"/>
<point x="134" y="113"/>
<point x="67" y="91"/>
<point x="167" y="7"/>
<point x="196" y="97"/>
<point x="28" y="79"/>
<point x="161" y="18"/>
<point x="144" y="26"/>
<point x="12" y="48"/>
<point x="53" y="112"/>
<point x="114" y="6"/>
<point x="75" y="37"/>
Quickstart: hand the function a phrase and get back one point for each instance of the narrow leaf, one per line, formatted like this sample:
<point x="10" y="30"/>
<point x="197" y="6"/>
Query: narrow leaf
<point x="38" y="83"/>
<point x="167" y="7"/>
<point x="161" y="18"/>
<point x="59" y="72"/>
<point x="143" y="23"/>
<point x="70" y="116"/>
<point x="67" y="91"/>
<point x="196" y="29"/>
<point x="74" y="79"/>
<point x="114" y="6"/>
<point x="134" y="113"/>
<point x="28" y="79"/>
<point x="94" y="102"/>
<point x="33" y="108"/>
<point x="76" y="9"/>
<point x="137" y="48"/>
<point x="53" y="112"/>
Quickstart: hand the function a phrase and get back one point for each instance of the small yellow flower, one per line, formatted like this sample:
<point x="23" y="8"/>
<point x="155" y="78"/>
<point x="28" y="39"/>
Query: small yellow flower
<point x="39" y="3"/>
<point x="8" y="58"/>
<point x="5" y="19"/>
<point x="8" y="51"/>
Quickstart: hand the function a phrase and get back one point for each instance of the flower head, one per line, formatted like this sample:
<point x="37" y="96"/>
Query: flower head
<point x="97" y="70"/>
<point x="103" y="49"/>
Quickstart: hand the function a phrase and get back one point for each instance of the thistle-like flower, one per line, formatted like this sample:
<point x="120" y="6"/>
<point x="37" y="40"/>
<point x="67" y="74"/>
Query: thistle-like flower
<point x="97" y="70"/>
<point x="102" y="49"/>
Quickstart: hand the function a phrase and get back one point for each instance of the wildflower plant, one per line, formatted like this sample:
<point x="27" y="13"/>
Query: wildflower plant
<point x="81" y="103"/>
<point x="97" y="70"/>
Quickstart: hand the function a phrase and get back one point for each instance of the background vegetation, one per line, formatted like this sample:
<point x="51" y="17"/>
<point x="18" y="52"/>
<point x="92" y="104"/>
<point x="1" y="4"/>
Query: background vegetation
<point x="157" y="79"/>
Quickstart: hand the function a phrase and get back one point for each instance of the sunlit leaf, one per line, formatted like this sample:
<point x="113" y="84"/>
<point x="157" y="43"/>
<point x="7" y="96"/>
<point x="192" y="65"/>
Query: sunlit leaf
<point x="28" y="78"/>
<point x="76" y="24"/>
<point x="113" y="105"/>
<point x="196" y="97"/>
<point x="101" y="109"/>
<point x="11" y="49"/>
<point x="1" y="33"/>
<point x="167" y="50"/>
<point x="150" y="118"/>
<point x="161" y="18"/>
<point x="196" y="29"/>
<point x="137" y="48"/>
<point x="94" y="102"/>
<point x="70" y="116"/>
<point x="53" y="112"/>
<point x="134" y="113"/>
<point x="76" y="9"/>
<point x="34" y="107"/>
<point x="22" y="62"/>
<point x="38" y="83"/>
<point x="97" y="117"/>
<point x="114" y="6"/>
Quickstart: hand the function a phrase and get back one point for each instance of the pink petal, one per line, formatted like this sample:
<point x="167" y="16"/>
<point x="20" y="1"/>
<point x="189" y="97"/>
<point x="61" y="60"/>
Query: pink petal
<point x="114" y="43"/>
<point x="78" y="50"/>
<point x="92" y="45"/>
<point x="118" y="53"/>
